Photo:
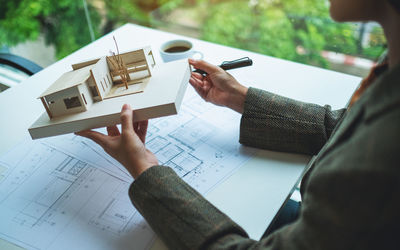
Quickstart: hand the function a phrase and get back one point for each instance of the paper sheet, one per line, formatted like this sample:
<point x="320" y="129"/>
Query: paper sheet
<point x="77" y="146"/>
<point x="50" y="200"/>
<point x="65" y="192"/>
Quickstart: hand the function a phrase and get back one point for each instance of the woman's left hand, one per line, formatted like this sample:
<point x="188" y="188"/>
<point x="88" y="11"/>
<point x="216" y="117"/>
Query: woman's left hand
<point x="126" y="146"/>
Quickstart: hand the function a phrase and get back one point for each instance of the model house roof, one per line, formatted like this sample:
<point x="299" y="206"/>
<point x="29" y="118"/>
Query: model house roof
<point x="68" y="80"/>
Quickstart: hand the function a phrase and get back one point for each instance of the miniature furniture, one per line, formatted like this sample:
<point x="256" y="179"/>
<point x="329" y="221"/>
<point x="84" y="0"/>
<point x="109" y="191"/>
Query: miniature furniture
<point x="271" y="173"/>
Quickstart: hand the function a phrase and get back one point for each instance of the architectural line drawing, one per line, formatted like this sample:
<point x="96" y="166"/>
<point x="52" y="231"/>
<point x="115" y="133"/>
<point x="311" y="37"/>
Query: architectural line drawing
<point x="67" y="200"/>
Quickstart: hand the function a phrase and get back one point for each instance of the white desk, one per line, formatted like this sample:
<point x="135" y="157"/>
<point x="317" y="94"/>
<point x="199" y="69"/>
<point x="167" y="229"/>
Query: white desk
<point x="254" y="194"/>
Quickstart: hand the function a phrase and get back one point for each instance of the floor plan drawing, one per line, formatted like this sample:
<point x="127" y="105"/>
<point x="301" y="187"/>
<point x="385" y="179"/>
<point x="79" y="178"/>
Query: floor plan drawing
<point x="116" y="216"/>
<point x="200" y="143"/>
<point x="78" y="147"/>
<point x="65" y="203"/>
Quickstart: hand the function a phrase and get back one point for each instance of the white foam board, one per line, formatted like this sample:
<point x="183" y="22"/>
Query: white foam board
<point x="162" y="97"/>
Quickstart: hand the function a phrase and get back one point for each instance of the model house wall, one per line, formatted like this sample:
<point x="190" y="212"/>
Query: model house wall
<point x="86" y="94"/>
<point x="100" y="74"/>
<point x="64" y="96"/>
<point x="67" y="101"/>
<point x="139" y="63"/>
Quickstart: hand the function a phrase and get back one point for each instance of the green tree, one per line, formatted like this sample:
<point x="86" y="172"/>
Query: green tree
<point x="62" y="22"/>
<point x="275" y="28"/>
<point x="288" y="29"/>
<point x="136" y="11"/>
<point x="376" y="45"/>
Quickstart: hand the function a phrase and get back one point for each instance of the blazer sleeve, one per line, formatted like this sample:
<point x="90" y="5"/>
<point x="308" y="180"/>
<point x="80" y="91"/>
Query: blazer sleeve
<point x="183" y="219"/>
<point x="274" y="122"/>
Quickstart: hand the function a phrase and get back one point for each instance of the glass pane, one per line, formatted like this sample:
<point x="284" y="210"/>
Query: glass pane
<point x="300" y="31"/>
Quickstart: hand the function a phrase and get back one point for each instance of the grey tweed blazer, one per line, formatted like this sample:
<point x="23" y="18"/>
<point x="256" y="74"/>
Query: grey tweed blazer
<point x="350" y="193"/>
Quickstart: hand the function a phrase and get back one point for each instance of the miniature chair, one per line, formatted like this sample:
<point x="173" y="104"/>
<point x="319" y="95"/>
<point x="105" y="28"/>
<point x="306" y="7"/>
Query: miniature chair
<point x="14" y="69"/>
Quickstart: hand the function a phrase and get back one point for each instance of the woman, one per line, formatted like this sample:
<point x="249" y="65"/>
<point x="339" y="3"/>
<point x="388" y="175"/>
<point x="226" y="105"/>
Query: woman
<point x="351" y="191"/>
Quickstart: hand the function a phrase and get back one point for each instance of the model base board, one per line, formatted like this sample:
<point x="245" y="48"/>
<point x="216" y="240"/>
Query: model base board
<point x="162" y="96"/>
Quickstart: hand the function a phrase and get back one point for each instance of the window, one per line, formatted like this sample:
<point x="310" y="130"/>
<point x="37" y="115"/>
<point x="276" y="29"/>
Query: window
<point x="101" y="82"/>
<point x="296" y="30"/>
<point x="300" y="31"/>
<point x="72" y="102"/>
<point x="152" y="59"/>
<point x="84" y="99"/>
<point x="109" y="79"/>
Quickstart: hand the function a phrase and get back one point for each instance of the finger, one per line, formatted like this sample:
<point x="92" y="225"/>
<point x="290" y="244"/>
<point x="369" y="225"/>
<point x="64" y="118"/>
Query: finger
<point x="197" y="81"/>
<point x="205" y="66"/>
<point x="113" y="131"/>
<point x="197" y="76"/>
<point x="126" y="119"/>
<point x="142" y="131"/>
<point x="136" y="129"/>
<point x="95" y="136"/>
<point x="197" y="87"/>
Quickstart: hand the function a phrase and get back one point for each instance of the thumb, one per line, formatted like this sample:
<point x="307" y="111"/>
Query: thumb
<point x="205" y="66"/>
<point x="126" y="119"/>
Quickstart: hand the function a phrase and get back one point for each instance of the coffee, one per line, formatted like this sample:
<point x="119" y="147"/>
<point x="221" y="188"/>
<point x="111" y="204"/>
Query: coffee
<point x="177" y="49"/>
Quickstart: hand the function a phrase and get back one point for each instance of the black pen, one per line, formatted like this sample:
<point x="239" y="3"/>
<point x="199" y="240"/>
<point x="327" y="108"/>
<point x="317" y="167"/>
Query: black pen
<point x="226" y="65"/>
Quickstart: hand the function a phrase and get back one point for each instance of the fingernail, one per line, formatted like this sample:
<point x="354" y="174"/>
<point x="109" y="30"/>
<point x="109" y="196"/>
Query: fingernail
<point x="192" y="60"/>
<point x="125" y="107"/>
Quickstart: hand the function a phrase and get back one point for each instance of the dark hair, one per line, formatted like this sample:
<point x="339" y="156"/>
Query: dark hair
<point x="395" y="4"/>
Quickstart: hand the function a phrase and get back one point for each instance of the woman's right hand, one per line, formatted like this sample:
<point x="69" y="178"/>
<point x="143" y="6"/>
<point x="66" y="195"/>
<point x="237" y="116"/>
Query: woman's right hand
<point x="218" y="86"/>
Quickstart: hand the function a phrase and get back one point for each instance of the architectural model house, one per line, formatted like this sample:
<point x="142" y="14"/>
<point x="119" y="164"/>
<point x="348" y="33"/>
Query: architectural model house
<point x="92" y="94"/>
<point x="96" y="80"/>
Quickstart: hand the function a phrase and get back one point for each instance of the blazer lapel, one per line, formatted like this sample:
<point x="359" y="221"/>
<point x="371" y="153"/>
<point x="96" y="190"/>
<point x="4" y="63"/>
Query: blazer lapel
<point x="347" y="122"/>
<point x="383" y="94"/>
<point x="345" y="127"/>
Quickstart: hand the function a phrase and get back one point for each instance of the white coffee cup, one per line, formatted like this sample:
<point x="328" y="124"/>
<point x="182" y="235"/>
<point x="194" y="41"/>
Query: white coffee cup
<point x="178" y="49"/>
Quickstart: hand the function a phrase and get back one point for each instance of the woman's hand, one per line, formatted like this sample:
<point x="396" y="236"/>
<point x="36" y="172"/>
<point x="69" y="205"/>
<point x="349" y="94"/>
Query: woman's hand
<point x="218" y="87"/>
<point x="126" y="147"/>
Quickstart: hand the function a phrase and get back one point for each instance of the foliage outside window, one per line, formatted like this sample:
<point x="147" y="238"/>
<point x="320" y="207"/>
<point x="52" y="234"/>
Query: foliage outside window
<point x="289" y="29"/>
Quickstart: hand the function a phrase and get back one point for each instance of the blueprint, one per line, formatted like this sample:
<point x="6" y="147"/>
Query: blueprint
<point x="65" y="192"/>
<point x="78" y="147"/>
<point x="50" y="200"/>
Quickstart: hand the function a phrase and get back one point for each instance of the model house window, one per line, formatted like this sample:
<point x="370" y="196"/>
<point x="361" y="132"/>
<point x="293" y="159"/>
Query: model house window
<point x="84" y="99"/>
<point x="101" y="82"/>
<point x="109" y="79"/>
<point x="72" y="102"/>
<point x="153" y="62"/>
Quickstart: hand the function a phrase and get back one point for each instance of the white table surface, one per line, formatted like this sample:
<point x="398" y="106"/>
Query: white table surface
<point x="254" y="194"/>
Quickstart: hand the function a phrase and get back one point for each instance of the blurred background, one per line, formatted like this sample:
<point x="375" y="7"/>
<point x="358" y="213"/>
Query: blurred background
<point x="45" y="31"/>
